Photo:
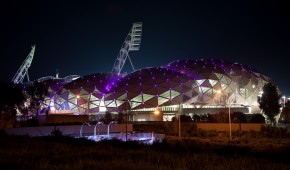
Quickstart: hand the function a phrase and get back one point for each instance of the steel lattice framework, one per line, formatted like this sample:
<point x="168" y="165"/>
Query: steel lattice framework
<point x="23" y="70"/>
<point x="131" y="43"/>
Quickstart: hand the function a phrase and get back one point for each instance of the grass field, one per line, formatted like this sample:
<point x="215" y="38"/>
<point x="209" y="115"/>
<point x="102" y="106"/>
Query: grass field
<point x="191" y="153"/>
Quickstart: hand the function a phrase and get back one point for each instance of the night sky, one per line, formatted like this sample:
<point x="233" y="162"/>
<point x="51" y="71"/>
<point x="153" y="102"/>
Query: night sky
<point x="83" y="37"/>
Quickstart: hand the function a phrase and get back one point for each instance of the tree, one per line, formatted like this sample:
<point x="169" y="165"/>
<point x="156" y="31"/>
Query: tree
<point x="270" y="102"/>
<point x="174" y="119"/>
<point x="196" y="118"/>
<point x="185" y="118"/>
<point x="239" y="117"/>
<point x="12" y="97"/>
<point x="285" y="114"/>
<point x="107" y="117"/>
<point x="37" y="93"/>
<point x="121" y="117"/>
<point x="221" y="117"/>
<point x="257" y="118"/>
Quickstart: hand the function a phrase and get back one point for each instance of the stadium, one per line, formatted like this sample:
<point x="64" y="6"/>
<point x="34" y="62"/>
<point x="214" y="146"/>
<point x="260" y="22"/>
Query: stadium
<point x="198" y="86"/>
<point x="193" y="86"/>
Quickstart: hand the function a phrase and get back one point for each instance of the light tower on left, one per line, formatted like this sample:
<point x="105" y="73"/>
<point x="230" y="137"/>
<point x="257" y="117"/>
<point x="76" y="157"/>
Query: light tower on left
<point x="23" y="70"/>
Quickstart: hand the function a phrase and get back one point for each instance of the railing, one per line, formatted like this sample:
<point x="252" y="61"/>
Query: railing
<point x="81" y="130"/>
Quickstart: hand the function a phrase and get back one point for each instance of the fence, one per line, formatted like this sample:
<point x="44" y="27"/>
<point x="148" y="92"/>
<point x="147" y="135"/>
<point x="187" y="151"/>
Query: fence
<point x="73" y="130"/>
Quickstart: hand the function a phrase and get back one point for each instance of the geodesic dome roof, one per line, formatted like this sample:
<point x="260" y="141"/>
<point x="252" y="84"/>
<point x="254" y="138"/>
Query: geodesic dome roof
<point x="152" y="87"/>
<point x="195" y="82"/>
<point x="99" y="82"/>
<point x="215" y="74"/>
<point x="85" y="92"/>
<point x="54" y="85"/>
<point x="208" y="76"/>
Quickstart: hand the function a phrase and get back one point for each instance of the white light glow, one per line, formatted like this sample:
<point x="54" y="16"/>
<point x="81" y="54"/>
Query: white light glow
<point x="156" y="112"/>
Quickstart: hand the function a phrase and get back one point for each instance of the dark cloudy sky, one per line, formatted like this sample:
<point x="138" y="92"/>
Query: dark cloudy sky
<point x="83" y="37"/>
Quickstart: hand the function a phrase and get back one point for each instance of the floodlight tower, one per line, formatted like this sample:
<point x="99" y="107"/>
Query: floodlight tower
<point x="132" y="43"/>
<point x="23" y="70"/>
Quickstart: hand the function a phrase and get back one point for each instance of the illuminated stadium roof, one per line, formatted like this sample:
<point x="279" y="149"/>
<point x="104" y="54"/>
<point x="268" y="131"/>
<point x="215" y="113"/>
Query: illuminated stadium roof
<point x="152" y="87"/>
<point x="236" y="80"/>
<point x="194" y="82"/>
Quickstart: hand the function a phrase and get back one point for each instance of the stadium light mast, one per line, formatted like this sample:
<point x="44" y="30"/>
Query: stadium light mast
<point x="131" y="43"/>
<point x="23" y="70"/>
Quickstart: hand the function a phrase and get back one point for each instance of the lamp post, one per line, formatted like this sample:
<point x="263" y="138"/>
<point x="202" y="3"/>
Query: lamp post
<point x="78" y="96"/>
<point x="229" y="106"/>
<point x="179" y="121"/>
<point x="230" y="116"/>
<point x="127" y="125"/>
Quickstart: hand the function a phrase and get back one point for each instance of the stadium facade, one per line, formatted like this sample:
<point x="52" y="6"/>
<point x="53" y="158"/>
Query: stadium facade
<point x="199" y="86"/>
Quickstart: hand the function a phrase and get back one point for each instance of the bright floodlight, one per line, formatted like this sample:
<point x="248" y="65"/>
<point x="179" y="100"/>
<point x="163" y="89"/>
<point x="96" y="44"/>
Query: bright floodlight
<point x="156" y="112"/>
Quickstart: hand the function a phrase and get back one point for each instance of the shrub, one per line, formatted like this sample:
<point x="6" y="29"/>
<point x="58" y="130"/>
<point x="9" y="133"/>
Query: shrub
<point x="245" y="140"/>
<point x="33" y="122"/>
<point x="257" y="118"/>
<point x="3" y="133"/>
<point x="211" y="133"/>
<point x="56" y="132"/>
<point x="253" y="134"/>
<point x="238" y="133"/>
<point x="185" y="118"/>
<point x="174" y="119"/>
<point x="107" y="118"/>
<point x="121" y="117"/>
<point x="239" y="117"/>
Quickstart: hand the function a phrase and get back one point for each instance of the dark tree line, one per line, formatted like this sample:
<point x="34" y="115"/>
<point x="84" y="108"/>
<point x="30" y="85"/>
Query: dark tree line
<point x="36" y="94"/>
<point x="270" y="102"/>
<point x="15" y="97"/>
<point x="11" y="98"/>
<point x="222" y="117"/>
<point x="285" y="115"/>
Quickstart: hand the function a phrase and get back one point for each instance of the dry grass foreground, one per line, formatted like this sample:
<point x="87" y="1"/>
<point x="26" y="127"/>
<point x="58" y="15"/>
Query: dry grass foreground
<point x="190" y="153"/>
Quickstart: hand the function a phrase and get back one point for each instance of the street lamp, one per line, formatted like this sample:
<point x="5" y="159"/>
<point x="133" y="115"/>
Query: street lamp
<point x="179" y="120"/>
<point x="229" y="105"/>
